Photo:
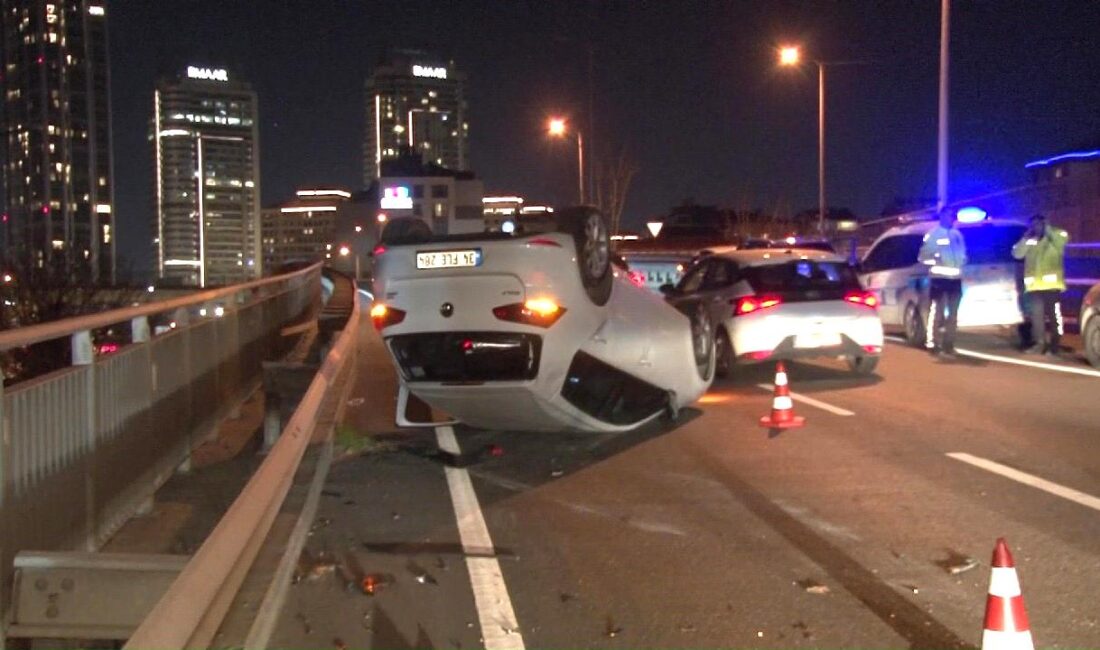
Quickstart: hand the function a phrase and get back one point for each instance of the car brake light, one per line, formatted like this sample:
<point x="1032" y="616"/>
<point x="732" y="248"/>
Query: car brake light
<point x="383" y="316"/>
<point x="542" y="241"/>
<point x="865" y="298"/>
<point x="637" y="278"/>
<point x="873" y="349"/>
<point x="378" y="250"/>
<point x="541" y="312"/>
<point x="751" y="304"/>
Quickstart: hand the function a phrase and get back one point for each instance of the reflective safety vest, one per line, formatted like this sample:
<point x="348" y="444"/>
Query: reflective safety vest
<point x="1044" y="269"/>
<point x="944" y="251"/>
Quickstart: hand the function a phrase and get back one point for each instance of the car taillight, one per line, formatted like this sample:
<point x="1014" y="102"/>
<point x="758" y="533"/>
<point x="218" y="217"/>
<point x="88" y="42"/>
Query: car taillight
<point x="378" y="250"/>
<point x="637" y="278"/>
<point x="541" y="312"/>
<point x="865" y="298"/>
<point x="383" y="316"/>
<point x="752" y="304"/>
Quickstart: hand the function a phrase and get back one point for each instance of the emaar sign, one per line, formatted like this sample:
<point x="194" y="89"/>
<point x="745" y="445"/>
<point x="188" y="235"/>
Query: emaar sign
<point x="207" y="74"/>
<point x="429" y="71"/>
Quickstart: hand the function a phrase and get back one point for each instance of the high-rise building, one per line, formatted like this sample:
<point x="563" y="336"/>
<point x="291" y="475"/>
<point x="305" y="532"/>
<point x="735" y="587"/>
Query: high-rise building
<point x="418" y="101"/>
<point x="302" y="229"/>
<point x="205" y="132"/>
<point x="58" y="184"/>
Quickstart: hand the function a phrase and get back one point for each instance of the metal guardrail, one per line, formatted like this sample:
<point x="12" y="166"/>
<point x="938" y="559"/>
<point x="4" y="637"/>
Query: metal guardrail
<point x="190" y="612"/>
<point x="85" y="447"/>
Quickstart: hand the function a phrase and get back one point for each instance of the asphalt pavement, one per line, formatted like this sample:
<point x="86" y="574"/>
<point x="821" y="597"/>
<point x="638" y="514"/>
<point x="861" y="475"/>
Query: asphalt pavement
<point x="870" y="526"/>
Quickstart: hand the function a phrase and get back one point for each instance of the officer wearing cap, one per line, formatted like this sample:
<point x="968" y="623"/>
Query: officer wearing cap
<point x="1043" y="250"/>
<point x="944" y="251"/>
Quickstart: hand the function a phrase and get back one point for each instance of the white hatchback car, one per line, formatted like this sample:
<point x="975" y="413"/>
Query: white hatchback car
<point x="534" y="332"/>
<point x="772" y="304"/>
<point x="991" y="291"/>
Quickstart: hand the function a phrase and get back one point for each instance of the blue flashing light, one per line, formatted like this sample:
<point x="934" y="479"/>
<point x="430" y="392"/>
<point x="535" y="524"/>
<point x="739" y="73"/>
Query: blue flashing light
<point x="1075" y="155"/>
<point x="971" y="214"/>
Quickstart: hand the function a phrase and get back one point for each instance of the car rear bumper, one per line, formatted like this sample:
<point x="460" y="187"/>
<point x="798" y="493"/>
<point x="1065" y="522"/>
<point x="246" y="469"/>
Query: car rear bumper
<point x="788" y="349"/>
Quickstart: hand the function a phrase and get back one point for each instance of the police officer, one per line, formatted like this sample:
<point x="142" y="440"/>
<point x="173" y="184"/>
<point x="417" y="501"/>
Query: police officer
<point x="944" y="251"/>
<point x="1043" y="248"/>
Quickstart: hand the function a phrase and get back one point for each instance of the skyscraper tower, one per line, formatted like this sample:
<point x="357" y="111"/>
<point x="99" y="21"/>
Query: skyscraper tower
<point x="415" y="100"/>
<point x="58" y="207"/>
<point x="206" y="136"/>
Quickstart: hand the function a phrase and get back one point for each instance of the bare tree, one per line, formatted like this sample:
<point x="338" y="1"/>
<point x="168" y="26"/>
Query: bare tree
<point x="613" y="177"/>
<point x="33" y="294"/>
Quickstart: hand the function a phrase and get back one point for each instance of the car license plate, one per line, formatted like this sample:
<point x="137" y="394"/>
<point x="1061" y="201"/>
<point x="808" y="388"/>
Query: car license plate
<point x="816" y="340"/>
<point x="448" y="259"/>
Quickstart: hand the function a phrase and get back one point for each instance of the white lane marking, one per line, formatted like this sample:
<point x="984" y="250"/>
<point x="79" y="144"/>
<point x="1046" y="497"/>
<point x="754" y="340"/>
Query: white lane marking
<point x="499" y="629"/>
<point x="1081" y="498"/>
<point x="1033" y="364"/>
<point x="445" y="435"/>
<point x="811" y="401"/>
<point x="1018" y="362"/>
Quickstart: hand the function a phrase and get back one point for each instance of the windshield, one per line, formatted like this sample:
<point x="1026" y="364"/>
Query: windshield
<point x="803" y="280"/>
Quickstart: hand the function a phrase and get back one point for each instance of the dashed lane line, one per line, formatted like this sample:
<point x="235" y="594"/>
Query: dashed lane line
<point x="499" y="629"/>
<point x="1080" y="498"/>
<point x="1017" y="362"/>
<point x="836" y="410"/>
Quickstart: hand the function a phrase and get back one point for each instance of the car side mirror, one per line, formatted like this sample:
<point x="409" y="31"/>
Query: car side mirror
<point x="667" y="289"/>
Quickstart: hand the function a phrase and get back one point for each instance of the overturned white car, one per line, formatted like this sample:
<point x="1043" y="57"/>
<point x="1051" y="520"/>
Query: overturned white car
<point x="533" y="331"/>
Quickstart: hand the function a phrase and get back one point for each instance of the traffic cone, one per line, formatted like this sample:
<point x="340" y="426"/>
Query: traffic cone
<point x="1006" y="625"/>
<point x="782" y="415"/>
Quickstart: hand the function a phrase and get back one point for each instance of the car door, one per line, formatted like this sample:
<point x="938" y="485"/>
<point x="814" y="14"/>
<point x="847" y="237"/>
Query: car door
<point x="891" y="271"/>
<point x="715" y="292"/>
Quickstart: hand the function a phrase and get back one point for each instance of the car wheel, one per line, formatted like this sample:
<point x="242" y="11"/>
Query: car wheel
<point x="723" y="354"/>
<point x="1091" y="338"/>
<point x="702" y="342"/>
<point x="862" y="365"/>
<point x="593" y="243"/>
<point x="914" y="326"/>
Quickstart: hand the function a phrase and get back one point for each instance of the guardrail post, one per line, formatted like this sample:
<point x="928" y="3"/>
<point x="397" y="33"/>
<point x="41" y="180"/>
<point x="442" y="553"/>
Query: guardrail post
<point x="84" y="355"/>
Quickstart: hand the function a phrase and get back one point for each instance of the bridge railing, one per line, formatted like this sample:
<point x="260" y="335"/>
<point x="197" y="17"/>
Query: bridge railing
<point x="85" y="447"/>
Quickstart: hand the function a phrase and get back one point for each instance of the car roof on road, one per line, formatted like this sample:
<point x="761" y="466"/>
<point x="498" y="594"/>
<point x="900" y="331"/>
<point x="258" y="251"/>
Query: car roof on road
<point x="765" y="256"/>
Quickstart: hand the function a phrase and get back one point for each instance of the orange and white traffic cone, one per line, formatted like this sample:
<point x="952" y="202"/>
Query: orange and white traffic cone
<point x="782" y="415"/>
<point x="1006" y="625"/>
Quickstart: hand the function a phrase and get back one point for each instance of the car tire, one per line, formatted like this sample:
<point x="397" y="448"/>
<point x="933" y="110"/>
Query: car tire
<point x="723" y="354"/>
<point x="1091" y="338"/>
<point x="593" y="244"/>
<point x="862" y="364"/>
<point x="703" y="342"/>
<point x="914" y="326"/>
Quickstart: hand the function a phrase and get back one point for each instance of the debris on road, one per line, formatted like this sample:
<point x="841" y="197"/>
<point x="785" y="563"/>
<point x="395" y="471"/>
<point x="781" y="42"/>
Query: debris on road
<point x="957" y="563"/>
<point x="812" y="586"/>
<point x="440" y="563"/>
<point x="912" y="588"/>
<point x="396" y="516"/>
<point x="687" y="628"/>
<point x="566" y="597"/>
<point x="611" y="630"/>
<point x="322" y="522"/>
<point x="312" y="568"/>
<point x="305" y="623"/>
<point x="557" y="473"/>
<point x="373" y="582"/>
<point x="332" y="493"/>
<point x="357" y="401"/>
<point x="339" y="644"/>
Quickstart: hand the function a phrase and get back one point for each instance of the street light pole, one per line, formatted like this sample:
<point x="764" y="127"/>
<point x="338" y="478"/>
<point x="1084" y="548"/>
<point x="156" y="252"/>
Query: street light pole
<point x="941" y="158"/>
<point x="580" y="166"/>
<point x="821" y="208"/>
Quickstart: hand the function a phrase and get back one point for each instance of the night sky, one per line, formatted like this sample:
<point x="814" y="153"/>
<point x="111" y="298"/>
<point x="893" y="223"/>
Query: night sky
<point x="690" y="89"/>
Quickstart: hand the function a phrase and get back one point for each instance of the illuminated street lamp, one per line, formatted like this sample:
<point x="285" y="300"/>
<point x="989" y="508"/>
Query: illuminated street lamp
<point x="791" y="56"/>
<point x="557" y="128"/>
<point x="345" y="250"/>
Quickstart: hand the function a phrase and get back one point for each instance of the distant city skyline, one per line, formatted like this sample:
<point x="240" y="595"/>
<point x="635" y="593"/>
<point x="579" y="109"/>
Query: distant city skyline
<point x="690" y="90"/>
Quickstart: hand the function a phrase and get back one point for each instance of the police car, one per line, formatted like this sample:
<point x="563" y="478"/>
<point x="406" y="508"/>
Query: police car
<point x="991" y="284"/>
